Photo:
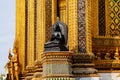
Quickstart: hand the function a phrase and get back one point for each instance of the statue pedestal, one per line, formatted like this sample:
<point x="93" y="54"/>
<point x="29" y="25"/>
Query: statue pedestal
<point x="56" y="65"/>
<point x="65" y="65"/>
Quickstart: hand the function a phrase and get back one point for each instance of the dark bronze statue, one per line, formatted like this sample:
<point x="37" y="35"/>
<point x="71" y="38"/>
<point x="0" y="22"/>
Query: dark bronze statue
<point x="59" y="36"/>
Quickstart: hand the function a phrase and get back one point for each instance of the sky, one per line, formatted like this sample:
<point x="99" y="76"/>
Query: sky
<point x="7" y="30"/>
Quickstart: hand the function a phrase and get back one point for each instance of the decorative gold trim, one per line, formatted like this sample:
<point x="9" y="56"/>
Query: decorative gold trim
<point x="107" y="9"/>
<point x="30" y="32"/>
<point x="19" y="44"/>
<point x="40" y="28"/>
<point x="88" y="11"/>
<point x="94" y="17"/>
<point x="73" y="26"/>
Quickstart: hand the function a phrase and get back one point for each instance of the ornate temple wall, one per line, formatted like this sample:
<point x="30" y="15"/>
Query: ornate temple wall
<point x="114" y="17"/>
<point x="34" y="20"/>
<point x="85" y="19"/>
<point x="106" y="42"/>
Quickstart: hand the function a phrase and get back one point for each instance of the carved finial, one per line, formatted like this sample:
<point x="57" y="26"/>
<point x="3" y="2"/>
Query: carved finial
<point x="9" y="51"/>
<point x="58" y="19"/>
<point x="10" y="55"/>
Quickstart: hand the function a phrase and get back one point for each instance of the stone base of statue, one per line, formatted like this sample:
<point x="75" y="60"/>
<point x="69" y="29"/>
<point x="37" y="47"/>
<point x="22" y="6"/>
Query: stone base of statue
<point x="56" y="65"/>
<point x="68" y="66"/>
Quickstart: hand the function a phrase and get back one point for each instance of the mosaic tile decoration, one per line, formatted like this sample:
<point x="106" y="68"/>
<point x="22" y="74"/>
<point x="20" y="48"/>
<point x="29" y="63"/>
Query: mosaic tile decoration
<point x="114" y="14"/>
<point x="35" y="29"/>
<point x="102" y="27"/>
<point x="48" y="19"/>
<point x="81" y="27"/>
<point x="26" y="30"/>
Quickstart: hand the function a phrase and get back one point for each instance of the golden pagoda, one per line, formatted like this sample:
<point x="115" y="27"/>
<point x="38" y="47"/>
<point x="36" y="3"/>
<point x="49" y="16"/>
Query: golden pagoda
<point x="93" y="40"/>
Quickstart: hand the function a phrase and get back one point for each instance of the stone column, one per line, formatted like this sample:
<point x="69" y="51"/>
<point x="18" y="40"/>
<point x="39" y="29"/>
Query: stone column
<point x="84" y="26"/>
<point x="82" y="62"/>
<point x="81" y="26"/>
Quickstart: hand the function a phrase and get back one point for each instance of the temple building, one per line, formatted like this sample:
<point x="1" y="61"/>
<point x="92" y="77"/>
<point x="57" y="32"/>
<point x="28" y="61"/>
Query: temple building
<point x="93" y="40"/>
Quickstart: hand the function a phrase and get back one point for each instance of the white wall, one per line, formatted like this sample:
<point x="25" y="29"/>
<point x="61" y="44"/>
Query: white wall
<point x="109" y="76"/>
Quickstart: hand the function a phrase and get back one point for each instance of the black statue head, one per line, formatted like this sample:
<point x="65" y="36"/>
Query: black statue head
<point x="56" y="28"/>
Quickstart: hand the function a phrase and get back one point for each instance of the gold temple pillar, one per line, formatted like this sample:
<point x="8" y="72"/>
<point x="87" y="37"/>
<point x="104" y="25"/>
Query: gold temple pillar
<point x="20" y="32"/>
<point x="30" y="33"/>
<point x="107" y="15"/>
<point x="40" y="28"/>
<point x="93" y="18"/>
<point x="88" y="26"/>
<point x="72" y="26"/>
<point x="17" y="18"/>
<point x="54" y="11"/>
